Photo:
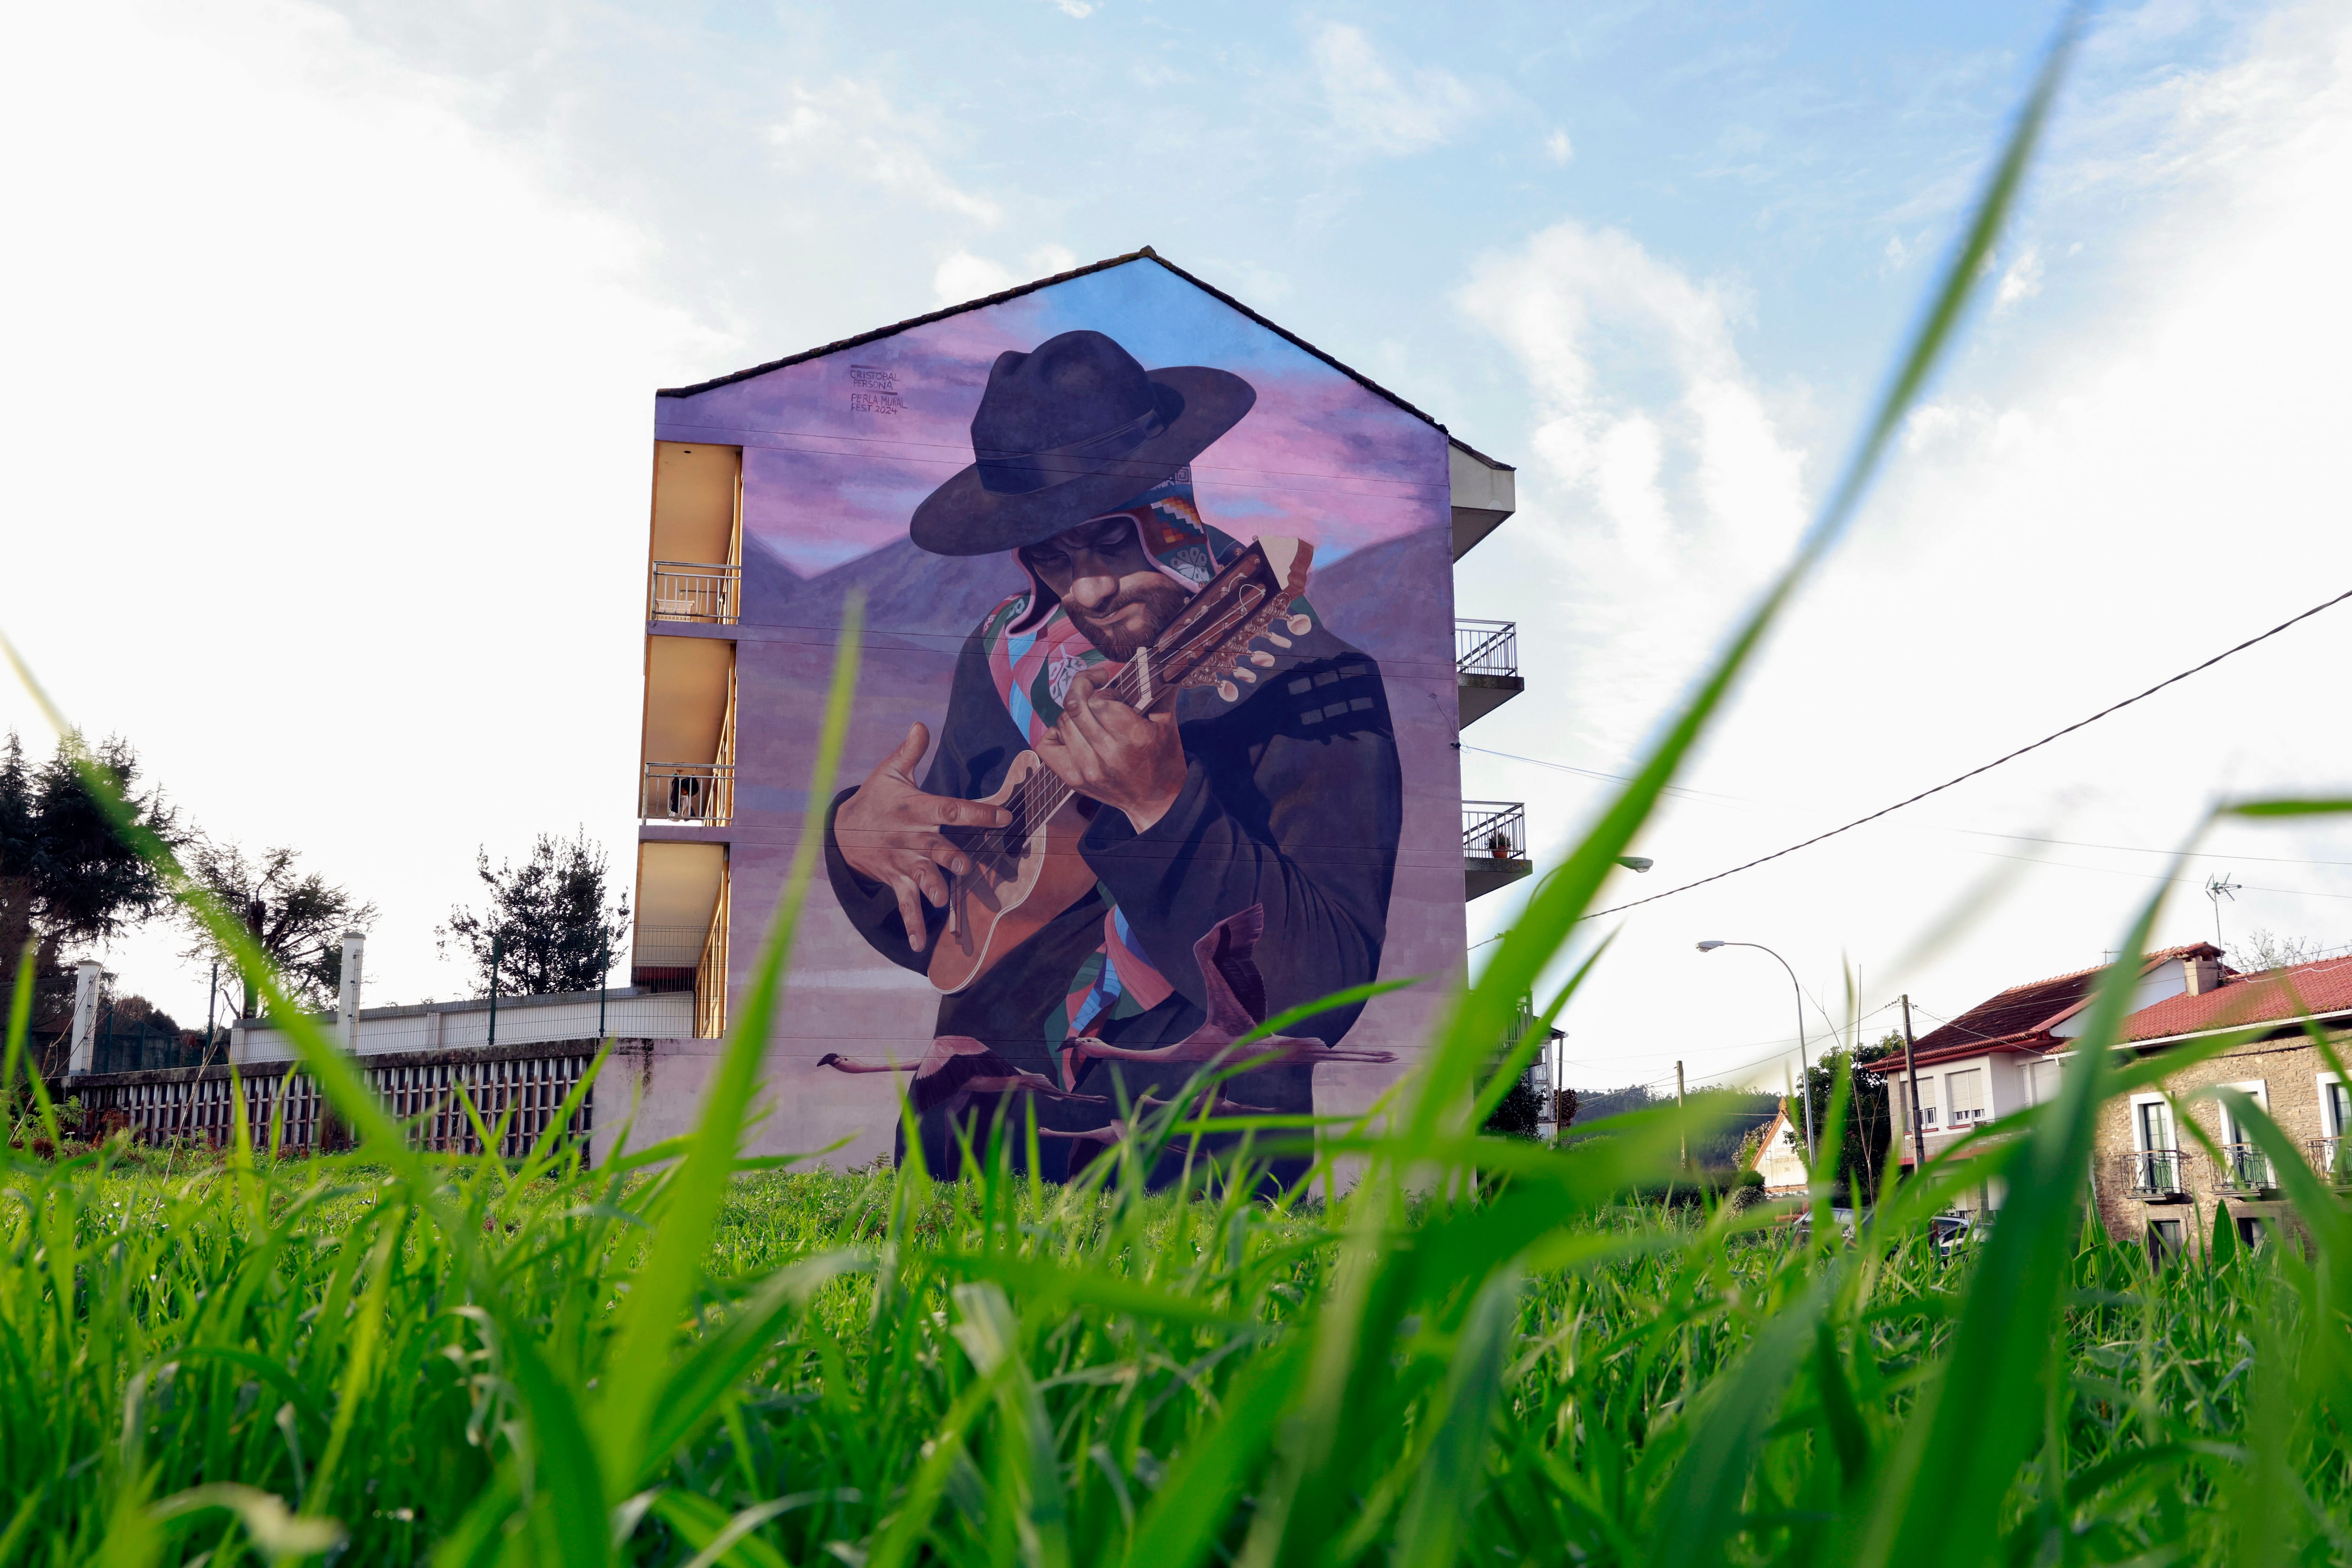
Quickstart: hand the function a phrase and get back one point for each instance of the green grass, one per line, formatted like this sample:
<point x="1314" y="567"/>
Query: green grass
<point x="1439" y="1348"/>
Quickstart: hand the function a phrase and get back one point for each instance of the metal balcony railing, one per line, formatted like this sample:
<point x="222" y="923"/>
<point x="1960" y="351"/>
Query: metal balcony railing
<point x="2332" y="1158"/>
<point x="1493" y="830"/>
<point x="1486" y="648"/>
<point x="2244" y="1168"/>
<point x="2156" y="1171"/>
<point x="693" y="591"/>
<point x="702" y="794"/>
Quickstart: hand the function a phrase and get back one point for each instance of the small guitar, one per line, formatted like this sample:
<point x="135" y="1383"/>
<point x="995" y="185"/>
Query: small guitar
<point x="1025" y="874"/>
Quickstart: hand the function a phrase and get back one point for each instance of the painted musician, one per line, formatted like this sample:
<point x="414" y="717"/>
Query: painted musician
<point x="1287" y="795"/>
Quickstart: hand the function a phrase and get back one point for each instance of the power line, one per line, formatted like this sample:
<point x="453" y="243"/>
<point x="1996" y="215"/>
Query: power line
<point x="1987" y="767"/>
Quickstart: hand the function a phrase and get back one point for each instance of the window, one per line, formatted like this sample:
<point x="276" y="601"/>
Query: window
<point x="2152" y="1125"/>
<point x="2163" y="1240"/>
<point x="2335" y="1105"/>
<point x="1927" y="1103"/>
<point x="2250" y="1231"/>
<point x="1966" y="1092"/>
<point x="2232" y="1130"/>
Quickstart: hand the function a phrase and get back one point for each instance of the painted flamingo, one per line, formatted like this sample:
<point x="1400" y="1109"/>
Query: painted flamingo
<point x="1236" y="993"/>
<point x="956" y="1070"/>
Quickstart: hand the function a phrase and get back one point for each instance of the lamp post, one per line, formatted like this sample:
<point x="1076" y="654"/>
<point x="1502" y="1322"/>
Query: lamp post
<point x="1804" y="1070"/>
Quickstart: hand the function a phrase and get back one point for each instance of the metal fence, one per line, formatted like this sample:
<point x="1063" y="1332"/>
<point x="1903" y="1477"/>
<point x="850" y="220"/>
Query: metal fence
<point x="1493" y="830"/>
<point x="694" y="591"/>
<point x="699" y="792"/>
<point x="2332" y="1158"/>
<point x="285" y="1110"/>
<point x="1486" y="648"/>
<point x="2243" y="1168"/>
<point x="2156" y="1170"/>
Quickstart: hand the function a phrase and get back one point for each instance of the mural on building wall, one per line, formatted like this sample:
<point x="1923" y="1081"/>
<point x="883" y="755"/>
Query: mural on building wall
<point x="1128" y="776"/>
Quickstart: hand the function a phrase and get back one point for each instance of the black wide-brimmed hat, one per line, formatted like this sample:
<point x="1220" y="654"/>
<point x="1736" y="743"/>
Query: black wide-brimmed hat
<point x="1068" y="431"/>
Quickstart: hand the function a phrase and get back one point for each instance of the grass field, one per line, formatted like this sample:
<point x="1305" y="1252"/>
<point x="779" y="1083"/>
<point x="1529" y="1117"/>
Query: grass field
<point x="1440" y="1349"/>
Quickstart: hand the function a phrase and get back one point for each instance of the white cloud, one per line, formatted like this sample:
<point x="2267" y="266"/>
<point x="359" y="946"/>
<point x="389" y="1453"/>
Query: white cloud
<point x="1557" y="148"/>
<point x="2021" y="281"/>
<point x="1077" y="9"/>
<point x="370" y="402"/>
<point x="2148" y="479"/>
<point x="1370" y="108"/>
<point x="851" y="128"/>
<point x="963" y="276"/>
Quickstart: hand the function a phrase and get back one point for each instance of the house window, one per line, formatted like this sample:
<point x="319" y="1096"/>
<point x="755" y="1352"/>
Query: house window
<point x="2163" y="1240"/>
<point x="1927" y="1103"/>
<point x="1965" y="1091"/>
<point x="2250" y="1231"/>
<point x="2335" y="1105"/>
<point x="2153" y="1119"/>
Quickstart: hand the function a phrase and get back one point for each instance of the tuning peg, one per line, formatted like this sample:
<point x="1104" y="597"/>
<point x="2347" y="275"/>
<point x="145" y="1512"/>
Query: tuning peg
<point x="1263" y="661"/>
<point x="1229" y="691"/>
<point x="1243" y="672"/>
<point x="1277" y="639"/>
<point x="1299" y="625"/>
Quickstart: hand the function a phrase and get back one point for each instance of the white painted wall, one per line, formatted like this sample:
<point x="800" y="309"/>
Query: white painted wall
<point x="522" y="1020"/>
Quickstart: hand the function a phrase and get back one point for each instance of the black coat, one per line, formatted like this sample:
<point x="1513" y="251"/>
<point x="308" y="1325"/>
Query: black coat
<point x="1292" y="798"/>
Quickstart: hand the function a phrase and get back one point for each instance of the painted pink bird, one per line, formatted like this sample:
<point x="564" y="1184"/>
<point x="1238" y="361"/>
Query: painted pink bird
<point x="958" y="1069"/>
<point x="1236" y="995"/>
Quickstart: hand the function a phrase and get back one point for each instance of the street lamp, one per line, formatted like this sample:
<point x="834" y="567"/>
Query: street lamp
<point x="1804" y="1070"/>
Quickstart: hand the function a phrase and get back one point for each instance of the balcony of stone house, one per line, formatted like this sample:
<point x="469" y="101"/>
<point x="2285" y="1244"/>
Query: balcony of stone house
<point x="678" y="946"/>
<point x="2332" y="1158"/>
<point x="686" y="770"/>
<point x="2244" y="1170"/>
<point x="2156" y="1176"/>
<point x="1486" y="666"/>
<point x="697" y="571"/>
<point x="1493" y="845"/>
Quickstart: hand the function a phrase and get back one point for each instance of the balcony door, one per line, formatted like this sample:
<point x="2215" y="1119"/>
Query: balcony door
<point x="2153" y="1128"/>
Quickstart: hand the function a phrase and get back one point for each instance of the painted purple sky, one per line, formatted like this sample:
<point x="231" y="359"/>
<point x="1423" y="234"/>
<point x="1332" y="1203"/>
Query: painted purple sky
<point x="839" y="450"/>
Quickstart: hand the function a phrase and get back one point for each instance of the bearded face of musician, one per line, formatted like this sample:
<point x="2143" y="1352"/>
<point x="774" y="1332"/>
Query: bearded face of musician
<point x="1155" y="815"/>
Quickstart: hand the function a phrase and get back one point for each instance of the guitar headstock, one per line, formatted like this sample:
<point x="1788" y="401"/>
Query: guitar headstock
<point x="1208" y="644"/>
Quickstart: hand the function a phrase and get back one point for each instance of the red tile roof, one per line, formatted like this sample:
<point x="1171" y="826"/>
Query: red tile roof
<point x="2019" y="1016"/>
<point x="2273" y="996"/>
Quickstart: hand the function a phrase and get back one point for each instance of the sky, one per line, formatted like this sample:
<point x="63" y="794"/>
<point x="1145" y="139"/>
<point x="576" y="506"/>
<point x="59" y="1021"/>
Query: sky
<point x="331" y="329"/>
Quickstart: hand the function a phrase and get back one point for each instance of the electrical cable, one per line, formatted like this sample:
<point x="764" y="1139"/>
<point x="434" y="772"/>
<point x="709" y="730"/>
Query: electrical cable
<point x="1987" y="767"/>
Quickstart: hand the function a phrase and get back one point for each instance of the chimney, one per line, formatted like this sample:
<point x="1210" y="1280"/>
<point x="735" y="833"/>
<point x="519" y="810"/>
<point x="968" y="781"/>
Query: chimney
<point x="2204" y="972"/>
<point x="354" y="955"/>
<point x="83" y="1052"/>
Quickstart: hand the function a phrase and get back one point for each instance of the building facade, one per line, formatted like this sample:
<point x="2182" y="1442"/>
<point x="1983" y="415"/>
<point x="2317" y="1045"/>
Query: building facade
<point x="1117" y="486"/>
<point x="2168" y="1162"/>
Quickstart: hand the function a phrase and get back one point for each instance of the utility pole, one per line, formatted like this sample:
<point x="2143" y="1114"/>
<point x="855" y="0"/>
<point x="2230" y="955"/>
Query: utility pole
<point x="212" y="1003"/>
<point x="1911" y="1065"/>
<point x="1684" y="1132"/>
<point x="494" y="987"/>
<point x="604" y="975"/>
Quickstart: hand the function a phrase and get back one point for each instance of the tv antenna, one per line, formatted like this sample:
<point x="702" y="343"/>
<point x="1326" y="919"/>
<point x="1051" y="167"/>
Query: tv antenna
<point x="2217" y="887"/>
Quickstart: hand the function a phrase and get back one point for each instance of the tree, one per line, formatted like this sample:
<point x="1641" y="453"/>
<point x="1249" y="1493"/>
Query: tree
<point x="66" y="875"/>
<point x="547" y="918"/>
<point x="1869" y="1124"/>
<point x="2266" y="949"/>
<point x="1520" y="1108"/>
<point x="297" y="917"/>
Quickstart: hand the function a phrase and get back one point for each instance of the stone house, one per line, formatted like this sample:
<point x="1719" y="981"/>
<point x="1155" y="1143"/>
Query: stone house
<point x="2157" y="1179"/>
<point x="1780" y="1156"/>
<point x="2153" y="1178"/>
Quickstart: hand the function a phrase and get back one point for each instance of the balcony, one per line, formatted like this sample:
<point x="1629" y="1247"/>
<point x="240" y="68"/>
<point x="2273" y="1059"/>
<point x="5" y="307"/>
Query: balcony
<point x="697" y="795"/>
<point x="2332" y="1158"/>
<point x="2244" y="1169"/>
<point x="2157" y="1173"/>
<point x="1486" y="666"/>
<point x="694" y="591"/>
<point x="1494" y="846"/>
<point x="688" y="962"/>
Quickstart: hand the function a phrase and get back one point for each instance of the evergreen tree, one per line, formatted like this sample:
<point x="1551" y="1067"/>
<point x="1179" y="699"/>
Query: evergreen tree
<point x="548" y="918"/>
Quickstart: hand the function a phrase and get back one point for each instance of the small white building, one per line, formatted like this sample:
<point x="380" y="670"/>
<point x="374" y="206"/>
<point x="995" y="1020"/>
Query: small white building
<point x="1781" y="1156"/>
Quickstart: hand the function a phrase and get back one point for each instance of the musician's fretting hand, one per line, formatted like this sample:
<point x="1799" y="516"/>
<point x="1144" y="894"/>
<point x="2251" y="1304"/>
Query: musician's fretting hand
<point x="888" y="832"/>
<point x="1106" y="750"/>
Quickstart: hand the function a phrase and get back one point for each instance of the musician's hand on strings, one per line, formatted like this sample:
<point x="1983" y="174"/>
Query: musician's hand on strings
<point x="889" y="833"/>
<point x="1106" y="750"/>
